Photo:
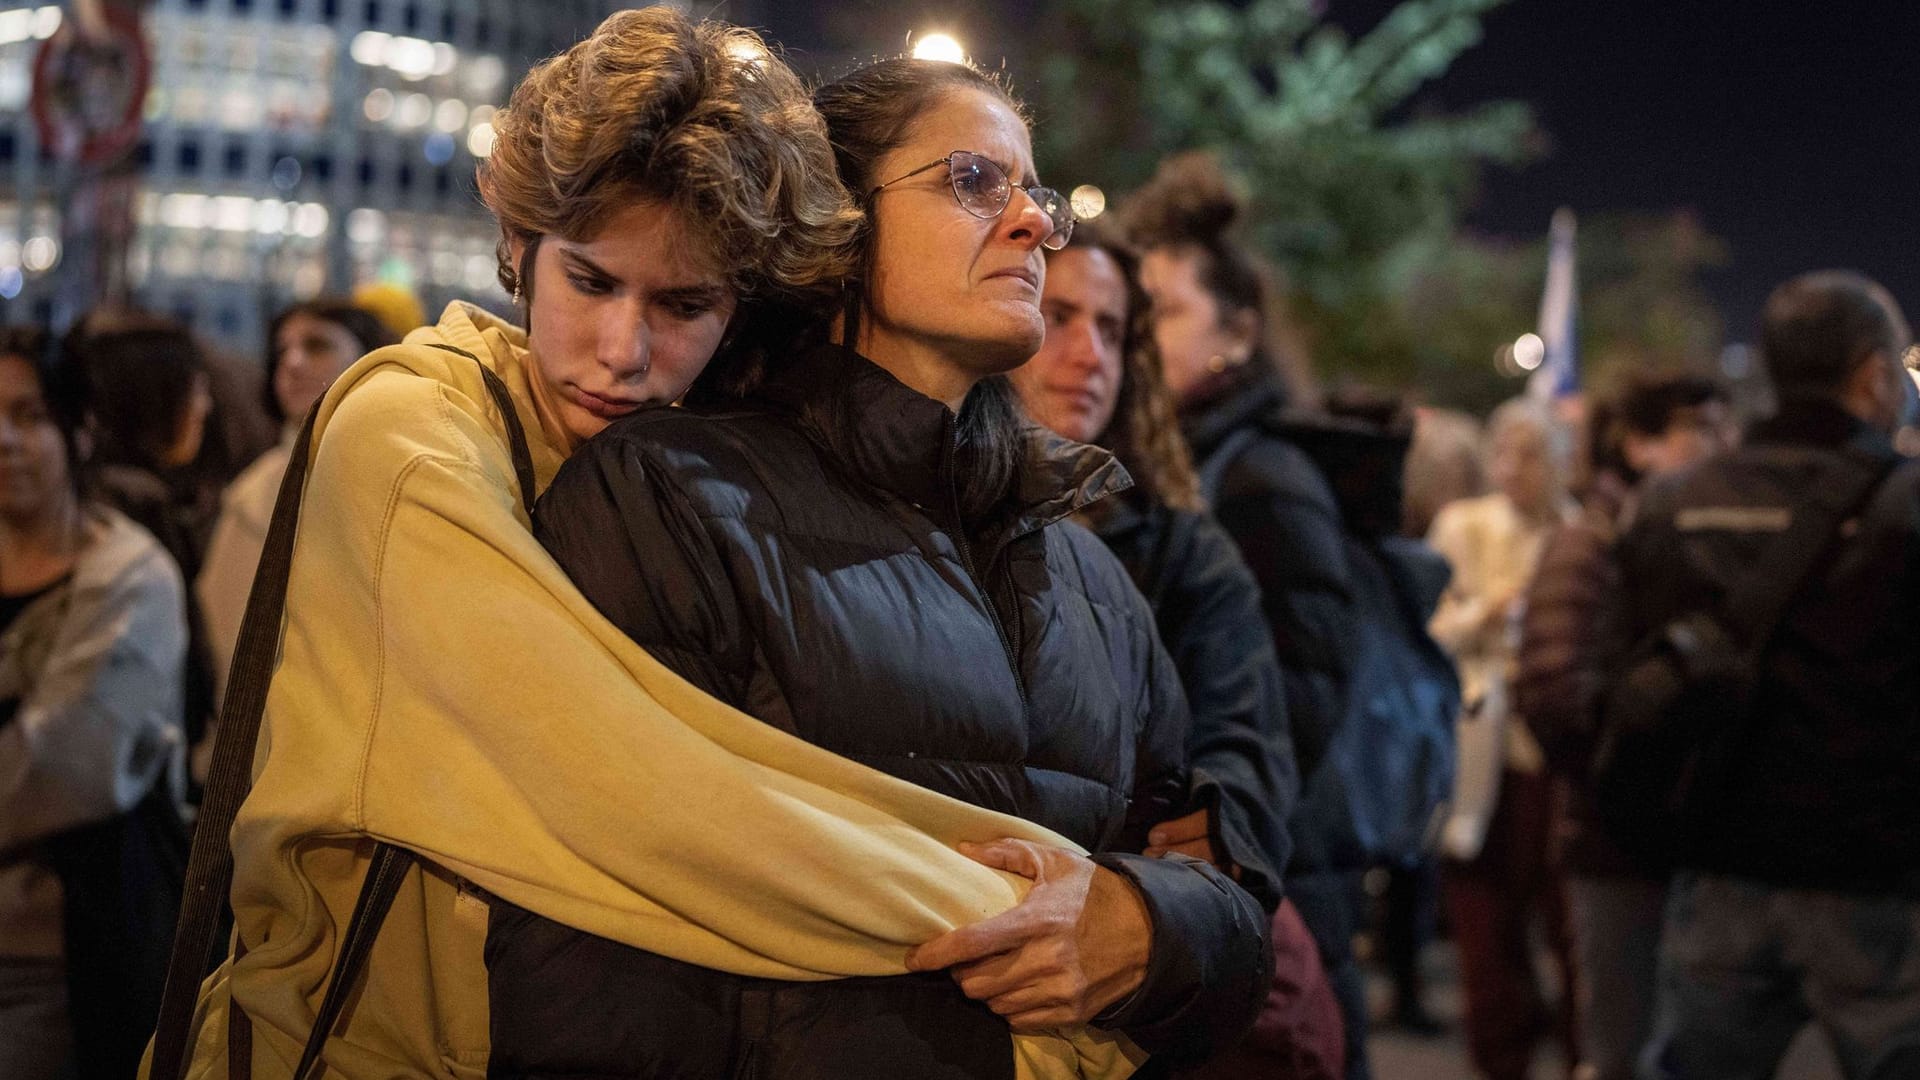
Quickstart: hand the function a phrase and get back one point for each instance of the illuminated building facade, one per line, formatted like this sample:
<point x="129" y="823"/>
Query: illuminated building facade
<point x="289" y="147"/>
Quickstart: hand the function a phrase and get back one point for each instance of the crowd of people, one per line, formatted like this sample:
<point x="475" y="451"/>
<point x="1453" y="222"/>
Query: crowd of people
<point x="853" y="619"/>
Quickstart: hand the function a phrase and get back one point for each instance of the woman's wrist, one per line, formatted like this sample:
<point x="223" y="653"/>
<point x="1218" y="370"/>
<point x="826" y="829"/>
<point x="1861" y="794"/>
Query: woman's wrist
<point x="1116" y="939"/>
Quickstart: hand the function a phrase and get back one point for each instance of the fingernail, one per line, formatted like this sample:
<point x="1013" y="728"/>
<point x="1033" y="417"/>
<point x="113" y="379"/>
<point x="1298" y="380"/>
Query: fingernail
<point x="1156" y="838"/>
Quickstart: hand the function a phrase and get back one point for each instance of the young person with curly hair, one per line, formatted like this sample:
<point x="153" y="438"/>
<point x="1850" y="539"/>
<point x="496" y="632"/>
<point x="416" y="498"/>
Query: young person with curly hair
<point x="664" y="189"/>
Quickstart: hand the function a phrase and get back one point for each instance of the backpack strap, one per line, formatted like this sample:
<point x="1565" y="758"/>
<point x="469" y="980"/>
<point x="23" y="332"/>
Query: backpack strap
<point x="1755" y="608"/>
<point x="230" y="776"/>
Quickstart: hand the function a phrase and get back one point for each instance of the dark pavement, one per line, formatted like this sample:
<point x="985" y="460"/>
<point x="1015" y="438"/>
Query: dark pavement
<point x="1400" y="1056"/>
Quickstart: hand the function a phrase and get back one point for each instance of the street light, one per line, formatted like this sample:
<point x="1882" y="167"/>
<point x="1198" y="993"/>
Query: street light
<point x="1088" y="202"/>
<point x="943" y="47"/>
<point x="1528" y="352"/>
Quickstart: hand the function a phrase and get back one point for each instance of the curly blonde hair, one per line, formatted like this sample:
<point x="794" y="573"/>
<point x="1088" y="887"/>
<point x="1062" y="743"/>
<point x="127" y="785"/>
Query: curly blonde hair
<point x="700" y="116"/>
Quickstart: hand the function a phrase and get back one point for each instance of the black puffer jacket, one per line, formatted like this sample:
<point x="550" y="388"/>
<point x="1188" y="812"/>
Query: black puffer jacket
<point x="796" y="556"/>
<point x="1273" y="500"/>
<point x="1817" y="790"/>
<point x="1207" y="606"/>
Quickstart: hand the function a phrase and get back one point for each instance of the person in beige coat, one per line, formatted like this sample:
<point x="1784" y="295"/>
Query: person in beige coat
<point x="1497" y="877"/>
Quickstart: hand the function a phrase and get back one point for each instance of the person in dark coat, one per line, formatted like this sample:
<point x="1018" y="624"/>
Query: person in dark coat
<point x="855" y="539"/>
<point x="1096" y="379"/>
<point x="1313" y="504"/>
<point x="1657" y="425"/>
<point x="1797" y="890"/>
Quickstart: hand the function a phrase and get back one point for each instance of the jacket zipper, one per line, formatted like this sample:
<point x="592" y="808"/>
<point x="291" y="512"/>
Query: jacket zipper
<point x="973" y="574"/>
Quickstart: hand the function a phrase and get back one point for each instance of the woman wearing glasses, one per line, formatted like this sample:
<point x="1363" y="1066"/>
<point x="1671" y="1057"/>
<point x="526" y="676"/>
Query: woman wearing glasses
<point x="441" y="687"/>
<point x="857" y="540"/>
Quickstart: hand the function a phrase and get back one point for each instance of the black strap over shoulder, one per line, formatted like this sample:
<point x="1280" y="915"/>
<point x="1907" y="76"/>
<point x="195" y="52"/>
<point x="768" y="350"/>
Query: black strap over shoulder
<point x="1754" y="609"/>
<point x="210" y="866"/>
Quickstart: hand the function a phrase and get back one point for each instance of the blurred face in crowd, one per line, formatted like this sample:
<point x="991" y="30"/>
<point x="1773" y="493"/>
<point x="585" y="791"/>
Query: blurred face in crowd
<point x="312" y="353"/>
<point x="1073" y="383"/>
<point x="1692" y="434"/>
<point x="34" y="477"/>
<point x="953" y="297"/>
<point x="1882" y="391"/>
<point x="627" y="318"/>
<point x="1197" y="338"/>
<point x="1521" y="466"/>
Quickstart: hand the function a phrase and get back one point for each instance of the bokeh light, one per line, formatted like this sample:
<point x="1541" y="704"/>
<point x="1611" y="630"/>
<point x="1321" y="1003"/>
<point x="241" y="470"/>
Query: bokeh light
<point x="1088" y="202"/>
<point x="943" y="47"/>
<point x="1529" y="351"/>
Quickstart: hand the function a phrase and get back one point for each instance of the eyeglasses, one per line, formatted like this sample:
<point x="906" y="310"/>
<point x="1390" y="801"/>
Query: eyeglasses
<point x="983" y="190"/>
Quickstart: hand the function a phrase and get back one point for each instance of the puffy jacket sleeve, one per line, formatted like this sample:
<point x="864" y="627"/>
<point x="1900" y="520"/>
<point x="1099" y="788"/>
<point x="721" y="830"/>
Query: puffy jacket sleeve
<point x="1557" y="687"/>
<point x="1240" y="746"/>
<point x="1276" y="506"/>
<point x="1207" y="972"/>
<point x="101" y="720"/>
<point x="1210" y="965"/>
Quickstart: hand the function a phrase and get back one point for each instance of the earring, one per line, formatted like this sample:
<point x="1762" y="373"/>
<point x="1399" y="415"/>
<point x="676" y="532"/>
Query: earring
<point x="1221" y="363"/>
<point x="516" y="290"/>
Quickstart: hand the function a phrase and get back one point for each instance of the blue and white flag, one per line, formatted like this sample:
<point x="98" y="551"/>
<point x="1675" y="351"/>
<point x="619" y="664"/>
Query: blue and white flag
<point x="1558" y="375"/>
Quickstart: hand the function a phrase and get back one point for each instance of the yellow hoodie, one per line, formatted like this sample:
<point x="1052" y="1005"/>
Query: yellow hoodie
<point x="443" y="687"/>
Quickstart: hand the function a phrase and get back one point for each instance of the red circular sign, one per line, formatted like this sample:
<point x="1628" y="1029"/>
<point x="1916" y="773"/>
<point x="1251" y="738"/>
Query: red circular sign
<point x="89" y="89"/>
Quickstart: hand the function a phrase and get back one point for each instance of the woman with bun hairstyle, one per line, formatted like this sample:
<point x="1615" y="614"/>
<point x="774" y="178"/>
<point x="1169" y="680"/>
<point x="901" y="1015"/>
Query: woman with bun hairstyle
<point x="857" y="540"/>
<point x="1314" y="503"/>
<point x="443" y="688"/>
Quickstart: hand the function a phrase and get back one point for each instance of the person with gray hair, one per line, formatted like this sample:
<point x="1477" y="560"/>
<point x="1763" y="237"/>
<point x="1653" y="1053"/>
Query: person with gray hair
<point x="1497" y="879"/>
<point x="1798" y="890"/>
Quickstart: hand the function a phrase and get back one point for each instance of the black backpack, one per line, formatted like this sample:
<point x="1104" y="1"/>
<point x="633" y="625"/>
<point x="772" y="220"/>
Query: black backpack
<point x="1686" y="692"/>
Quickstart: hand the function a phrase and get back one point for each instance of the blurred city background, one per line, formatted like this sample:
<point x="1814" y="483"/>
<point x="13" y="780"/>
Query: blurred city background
<point x="1414" y="168"/>
<point x="214" y="159"/>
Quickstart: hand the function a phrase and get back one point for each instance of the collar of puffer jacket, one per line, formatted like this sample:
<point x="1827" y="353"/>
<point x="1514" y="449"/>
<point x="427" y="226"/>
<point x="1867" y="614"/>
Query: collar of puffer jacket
<point x="896" y="439"/>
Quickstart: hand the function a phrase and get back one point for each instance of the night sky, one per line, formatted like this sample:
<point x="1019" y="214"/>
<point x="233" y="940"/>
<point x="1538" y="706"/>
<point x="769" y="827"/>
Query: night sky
<point x="1793" y="130"/>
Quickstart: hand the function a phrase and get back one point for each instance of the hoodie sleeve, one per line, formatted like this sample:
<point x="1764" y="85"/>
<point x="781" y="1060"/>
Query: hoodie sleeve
<point x="444" y="687"/>
<point x="101" y="720"/>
